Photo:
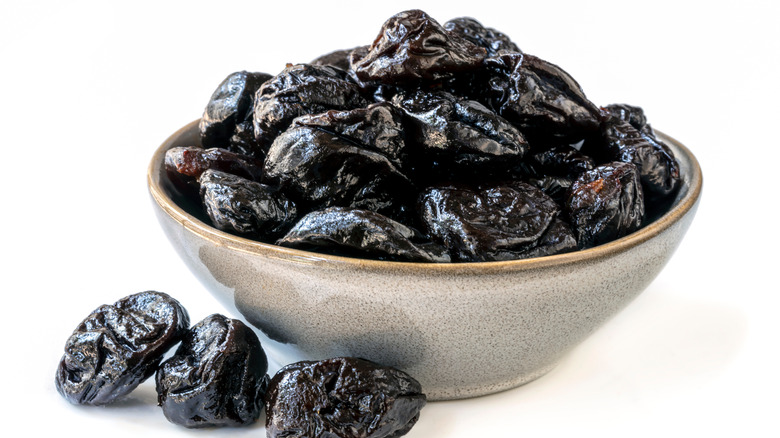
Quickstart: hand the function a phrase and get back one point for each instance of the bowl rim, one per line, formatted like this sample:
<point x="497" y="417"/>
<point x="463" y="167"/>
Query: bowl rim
<point x="222" y="238"/>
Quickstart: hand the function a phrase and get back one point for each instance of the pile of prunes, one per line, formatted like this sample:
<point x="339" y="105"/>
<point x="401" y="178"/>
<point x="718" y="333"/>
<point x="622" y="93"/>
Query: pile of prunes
<point x="436" y="143"/>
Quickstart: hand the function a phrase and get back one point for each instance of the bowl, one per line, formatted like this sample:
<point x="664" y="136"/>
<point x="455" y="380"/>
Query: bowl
<point x="461" y="329"/>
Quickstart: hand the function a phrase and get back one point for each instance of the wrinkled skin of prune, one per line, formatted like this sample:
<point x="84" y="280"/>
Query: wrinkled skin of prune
<point x="321" y="169"/>
<point x="185" y="164"/>
<point x="606" y="203"/>
<point x="563" y="161"/>
<point x="363" y="233"/>
<point x="625" y="136"/>
<point x="341" y="397"/>
<point x="377" y="127"/>
<point x="413" y="47"/>
<point x="543" y="101"/>
<point x="337" y="58"/>
<point x="558" y="239"/>
<point x="299" y="90"/>
<point x="246" y="207"/>
<point x="459" y="136"/>
<point x="228" y="114"/>
<point x="217" y="377"/>
<point x="476" y="224"/>
<point x="631" y="114"/>
<point x="556" y="187"/>
<point x="472" y="30"/>
<point x="119" y="346"/>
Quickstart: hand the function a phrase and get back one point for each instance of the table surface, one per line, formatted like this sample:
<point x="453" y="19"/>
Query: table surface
<point x="90" y="89"/>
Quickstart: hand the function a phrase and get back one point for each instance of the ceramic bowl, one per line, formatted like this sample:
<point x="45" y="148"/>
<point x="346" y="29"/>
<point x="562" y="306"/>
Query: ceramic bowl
<point x="462" y="330"/>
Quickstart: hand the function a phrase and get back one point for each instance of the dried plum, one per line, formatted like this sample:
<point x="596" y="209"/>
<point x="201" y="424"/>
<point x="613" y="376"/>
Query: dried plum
<point x="475" y="224"/>
<point x="337" y="58"/>
<point x="541" y="99"/>
<point x="377" y="127"/>
<point x="119" y="346"/>
<point x="322" y="169"/>
<point x="459" y="135"/>
<point x="563" y="160"/>
<point x="557" y="239"/>
<point x="229" y="113"/>
<point x="299" y="90"/>
<point x="472" y="30"/>
<point x="238" y="205"/>
<point x="606" y="203"/>
<point x="413" y="47"/>
<point x="185" y="164"/>
<point x="621" y="140"/>
<point x="341" y="397"/>
<point x="363" y="233"/>
<point x="217" y="377"/>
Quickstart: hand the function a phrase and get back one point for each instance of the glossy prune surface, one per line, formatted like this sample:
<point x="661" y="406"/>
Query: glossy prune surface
<point x="341" y="397"/>
<point x="245" y="207"/>
<point x="363" y="233"/>
<point x="118" y="346"/>
<point x="477" y="224"/>
<point x="606" y="203"/>
<point x="217" y="377"/>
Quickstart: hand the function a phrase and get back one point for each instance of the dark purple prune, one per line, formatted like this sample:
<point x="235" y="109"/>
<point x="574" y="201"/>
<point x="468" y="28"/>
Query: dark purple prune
<point x="229" y="112"/>
<point x="242" y="206"/>
<point x="413" y="47"/>
<point x="472" y="30"/>
<point x="217" y="377"/>
<point x="631" y="114"/>
<point x="557" y="239"/>
<point x="338" y="58"/>
<point x="185" y="164"/>
<point x="563" y="161"/>
<point x="298" y="90"/>
<point x="477" y="223"/>
<point x="543" y="101"/>
<point x="556" y="187"/>
<point x="321" y="169"/>
<point x="606" y="203"/>
<point x="119" y="346"/>
<point x="621" y="141"/>
<point x="363" y="233"/>
<point x="459" y="135"/>
<point x="377" y="127"/>
<point x="342" y="397"/>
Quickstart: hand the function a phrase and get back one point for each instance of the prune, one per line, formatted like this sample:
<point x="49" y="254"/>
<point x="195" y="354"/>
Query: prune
<point x="298" y="90"/>
<point x="460" y="135"/>
<point x="606" y="203"/>
<point x="544" y="102"/>
<point x="119" y="346"/>
<point x="556" y="187"/>
<point x="341" y="397"/>
<point x="413" y="47"/>
<point x="229" y="113"/>
<point x="631" y="114"/>
<point x="563" y="160"/>
<point x="377" y="127"/>
<point x="217" y="377"/>
<point x="620" y="140"/>
<point x="472" y="30"/>
<point x="364" y="233"/>
<point x="476" y="224"/>
<point x="322" y="169"/>
<point x="241" y="206"/>
<point x="185" y="164"/>
<point x="558" y="239"/>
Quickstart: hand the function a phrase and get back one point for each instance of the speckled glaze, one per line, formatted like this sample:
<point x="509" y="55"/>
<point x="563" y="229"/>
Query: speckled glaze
<point x="462" y="330"/>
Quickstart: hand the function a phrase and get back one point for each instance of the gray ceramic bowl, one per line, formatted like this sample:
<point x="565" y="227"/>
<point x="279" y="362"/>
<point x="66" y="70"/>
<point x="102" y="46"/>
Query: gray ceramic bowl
<point x="462" y="330"/>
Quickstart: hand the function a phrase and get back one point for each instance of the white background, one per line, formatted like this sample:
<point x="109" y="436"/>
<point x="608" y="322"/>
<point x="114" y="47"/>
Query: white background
<point x="88" y="90"/>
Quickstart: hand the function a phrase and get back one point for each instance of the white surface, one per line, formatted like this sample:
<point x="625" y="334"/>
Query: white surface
<point x="89" y="89"/>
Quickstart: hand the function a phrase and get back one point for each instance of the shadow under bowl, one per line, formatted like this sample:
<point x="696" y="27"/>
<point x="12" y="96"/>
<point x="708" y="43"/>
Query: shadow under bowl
<point x="462" y="330"/>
